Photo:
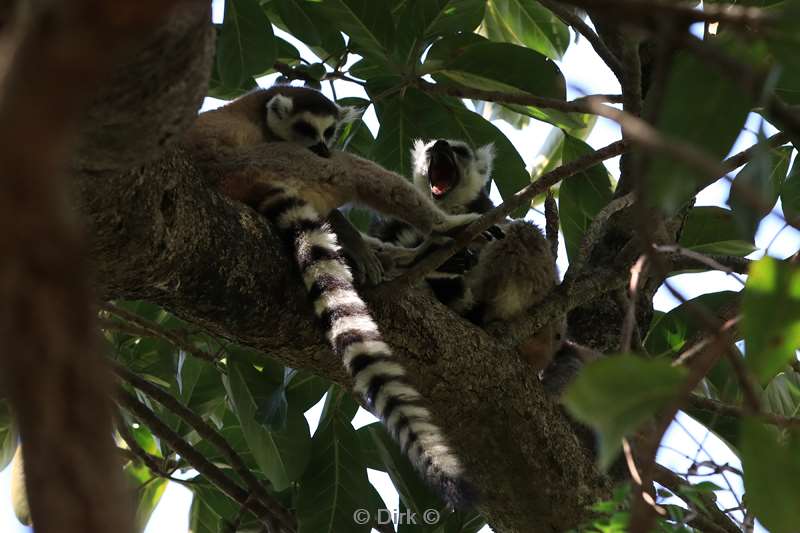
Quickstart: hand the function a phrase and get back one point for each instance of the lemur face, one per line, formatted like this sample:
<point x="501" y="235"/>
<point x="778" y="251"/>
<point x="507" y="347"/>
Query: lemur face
<point x="315" y="126"/>
<point x="452" y="172"/>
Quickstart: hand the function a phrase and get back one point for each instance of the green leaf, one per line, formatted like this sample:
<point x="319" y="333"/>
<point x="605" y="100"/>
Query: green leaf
<point x="281" y="455"/>
<point x="771" y="321"/>
<point x="790" y="193"/>
<point x="147" y="497"/>
<point x="712" y="230"/>
<point x="471" y="61"/>
<point x="304" y="390"/>
<point x="527" y="23"/>
<point x="771" y="469"/>
<point x="669" y="334"/>
<point x="581" y="196"/>
<point x="335" y="485"/>
<point x="782" y="395"/>
<point x="8" y="435"/>
<point x="297" y="21"/>
<point x="272" y="412"/>
<point x="755" y="189"/>
<point x="443" y="17"/>
<point x="617" y="394"/>
<point x="368" y="23"/>
<point x="202" y="519"/>
<point x="211" y="509"/>
<point x="246" y="46"/>
<point x="701" y="107"/>
<point x="338" y="403"/>
<point x="420" y="21"/>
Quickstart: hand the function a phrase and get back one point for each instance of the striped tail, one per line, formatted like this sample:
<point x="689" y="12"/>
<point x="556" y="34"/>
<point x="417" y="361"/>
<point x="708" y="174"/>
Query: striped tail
<point x="355" y="338"/>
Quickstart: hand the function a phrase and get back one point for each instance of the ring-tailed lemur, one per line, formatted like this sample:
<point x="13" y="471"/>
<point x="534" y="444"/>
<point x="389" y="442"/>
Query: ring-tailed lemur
<point x="505" y="272"/>
<point x="304" y="116"/>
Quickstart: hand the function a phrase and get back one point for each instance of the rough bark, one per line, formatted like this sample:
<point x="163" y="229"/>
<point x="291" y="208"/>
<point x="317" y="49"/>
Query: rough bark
<point x="159" y="232"/>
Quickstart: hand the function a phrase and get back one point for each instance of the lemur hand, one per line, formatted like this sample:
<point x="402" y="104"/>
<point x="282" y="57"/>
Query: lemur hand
<point x="451" y="223"/>
<point x="364" y="262"/>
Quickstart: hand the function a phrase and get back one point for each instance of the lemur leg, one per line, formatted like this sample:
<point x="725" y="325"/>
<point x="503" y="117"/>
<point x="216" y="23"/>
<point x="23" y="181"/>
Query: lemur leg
<point x="513" y="274"/>
<point x="396" y="197"/>
<point x="362" y="257"/>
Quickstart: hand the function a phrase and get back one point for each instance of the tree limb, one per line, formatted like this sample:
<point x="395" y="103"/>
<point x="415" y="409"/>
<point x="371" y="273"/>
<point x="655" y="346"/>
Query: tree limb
<point x="197" y="460"/>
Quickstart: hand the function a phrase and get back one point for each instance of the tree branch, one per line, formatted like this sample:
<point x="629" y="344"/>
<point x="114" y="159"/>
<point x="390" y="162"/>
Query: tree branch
<point x="207" y="432"/>
<point x="574" y="20"/>
<point x="707" y="518"/>
<point x="196" y="459"/>
<point x="680" y="11"/>
<point x="579" y="105"/>
<point x="714" y="406"/>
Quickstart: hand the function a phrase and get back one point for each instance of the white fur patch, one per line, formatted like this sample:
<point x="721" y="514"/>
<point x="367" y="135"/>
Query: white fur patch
<point x="348" y="114"/>
<point x="386" y="368"/>
<point x="296" y="214"/>
<point x="331" y="267"/>
<point x="279" y="109"/>
<point x="407" y="238"/>
<point x="334" y="299"/>
<point x="323" y="238"/>
<point x="368" y="347"/>
<point x="395" y="390"/>
<point x="357" y="323"/>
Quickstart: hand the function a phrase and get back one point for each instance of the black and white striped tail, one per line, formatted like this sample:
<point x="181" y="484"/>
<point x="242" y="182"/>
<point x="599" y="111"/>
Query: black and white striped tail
<point x="354" y="337"/>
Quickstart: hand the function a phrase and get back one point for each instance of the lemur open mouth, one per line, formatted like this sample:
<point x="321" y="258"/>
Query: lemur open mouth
<point x="443" y="174"/>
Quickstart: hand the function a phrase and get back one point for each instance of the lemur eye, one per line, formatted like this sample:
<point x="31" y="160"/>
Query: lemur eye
<point x="304" y="128"/>
<point x="329" y="132"/>
<point x="462" y="151"/>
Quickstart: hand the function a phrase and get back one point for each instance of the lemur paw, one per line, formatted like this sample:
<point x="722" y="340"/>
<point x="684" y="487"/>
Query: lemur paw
<point x="453" y="222"/>
<point x="365" y="264"/>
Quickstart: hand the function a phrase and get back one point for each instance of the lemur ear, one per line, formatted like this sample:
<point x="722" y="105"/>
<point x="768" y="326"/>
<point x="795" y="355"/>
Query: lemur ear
<point x="419" y="151"/>
<point x="348" y="114"/>
<point x="280" y="105"/>
<point x="484" y="157"/>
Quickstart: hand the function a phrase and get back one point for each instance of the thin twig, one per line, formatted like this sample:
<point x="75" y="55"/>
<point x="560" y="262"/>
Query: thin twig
<point x="197" y="460"/>
<point x="579" y="25"/>
<point x="145" y="327"/>
<point x="629" y="323"/>
<point x="551" y="222"/>
<point x="579" y="105"/>
<point x="207" y="432"/>
<point x="714" y="406"/>
<point x="709" y="517"/>
<point x="629" y="10"/>
<point x="731" y="265"/>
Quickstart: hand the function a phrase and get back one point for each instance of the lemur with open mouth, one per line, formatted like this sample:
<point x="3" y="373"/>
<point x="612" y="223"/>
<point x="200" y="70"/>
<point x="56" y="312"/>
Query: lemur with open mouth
<point x="499" y="276"/>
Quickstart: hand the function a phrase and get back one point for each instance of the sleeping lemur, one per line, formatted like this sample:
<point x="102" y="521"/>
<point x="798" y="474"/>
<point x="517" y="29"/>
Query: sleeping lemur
<point x="298" y="206"/>
<point x="495" y="280"/>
